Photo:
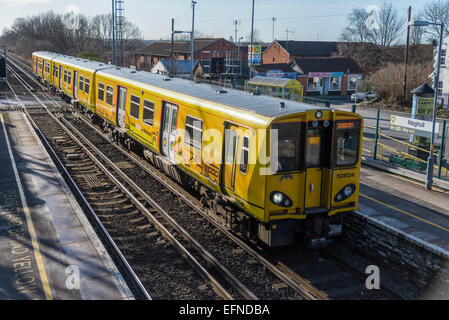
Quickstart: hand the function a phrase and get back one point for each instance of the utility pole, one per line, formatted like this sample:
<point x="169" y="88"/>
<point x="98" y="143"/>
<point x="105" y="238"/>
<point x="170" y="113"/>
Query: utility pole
<point x="192" y="38"/>
<point x="274" y="20"/>
<point x="172" y="46"/>
<point x="114" y="59"/>
<point x="287" y="32"/>
<point x="404" y="93"/>
<point x="252" y="42"/>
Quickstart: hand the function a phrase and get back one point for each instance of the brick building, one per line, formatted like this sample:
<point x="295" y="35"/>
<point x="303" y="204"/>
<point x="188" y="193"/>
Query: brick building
<point x="321" y="70"/>
<point x="218" y="52"/>
<point x="328" y="76"/>
<point x="286" y="51"/>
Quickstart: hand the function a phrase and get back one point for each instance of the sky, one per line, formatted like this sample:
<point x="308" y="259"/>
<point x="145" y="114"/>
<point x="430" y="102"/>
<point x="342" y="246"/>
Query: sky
<point x="308" y="19"/>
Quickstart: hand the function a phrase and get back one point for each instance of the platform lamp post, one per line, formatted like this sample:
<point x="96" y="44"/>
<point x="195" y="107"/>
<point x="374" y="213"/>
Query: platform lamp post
<point x="192" y="38"/>
<point x="431" y="160"/>
<point x="252" y="43"/>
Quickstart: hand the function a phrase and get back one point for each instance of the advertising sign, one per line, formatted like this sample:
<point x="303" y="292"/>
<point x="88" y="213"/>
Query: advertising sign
<point x="255" y="55"/>
<point x="422" y="108"/>
<point x="413" y="126"/>
<point x="278" y="74"/>
<point x="326" y="74"/>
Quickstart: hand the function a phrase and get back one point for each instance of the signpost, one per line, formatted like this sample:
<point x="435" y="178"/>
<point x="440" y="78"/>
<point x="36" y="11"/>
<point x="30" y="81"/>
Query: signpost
<point x="417" y="127"/>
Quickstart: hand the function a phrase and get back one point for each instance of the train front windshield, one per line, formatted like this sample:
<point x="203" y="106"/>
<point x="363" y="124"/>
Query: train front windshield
<point x="347" y="143"/>
<point x="294" y="139"/>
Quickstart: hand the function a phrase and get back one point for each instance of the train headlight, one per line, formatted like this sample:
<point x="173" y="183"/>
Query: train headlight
<point x="345" y="193"/>
<point x="280" y="199"/>
<point x="348" y="191"/>
<point x="318" y="114"/>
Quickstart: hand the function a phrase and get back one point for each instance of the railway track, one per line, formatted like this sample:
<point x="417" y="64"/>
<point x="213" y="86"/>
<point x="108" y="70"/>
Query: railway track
<point x="150" y="255"/>
<point x="308" y="269"/>
<point x="275" y="276"/>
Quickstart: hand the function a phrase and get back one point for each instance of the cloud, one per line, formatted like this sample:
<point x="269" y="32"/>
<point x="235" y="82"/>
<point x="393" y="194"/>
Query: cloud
<point x="18" y="3"/>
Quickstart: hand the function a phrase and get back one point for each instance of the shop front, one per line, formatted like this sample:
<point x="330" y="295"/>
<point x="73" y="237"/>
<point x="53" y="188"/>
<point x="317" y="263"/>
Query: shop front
<point x="324" y="83"/>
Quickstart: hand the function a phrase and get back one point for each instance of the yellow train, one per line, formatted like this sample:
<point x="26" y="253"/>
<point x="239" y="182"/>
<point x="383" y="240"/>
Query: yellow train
<point x="269" y="169"/>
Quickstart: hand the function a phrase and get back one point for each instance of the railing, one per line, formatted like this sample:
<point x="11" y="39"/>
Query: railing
<point x="384" y="152"/>
<point x="316" y="101"/>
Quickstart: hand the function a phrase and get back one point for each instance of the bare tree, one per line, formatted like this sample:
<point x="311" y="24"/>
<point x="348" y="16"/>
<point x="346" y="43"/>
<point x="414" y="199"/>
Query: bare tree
<point x="256" y="37"/>
<point x="390" y="27"/>
<point x="437" y="12"/>
<point x="48" y="31"/>
<point x="356" y="30"/>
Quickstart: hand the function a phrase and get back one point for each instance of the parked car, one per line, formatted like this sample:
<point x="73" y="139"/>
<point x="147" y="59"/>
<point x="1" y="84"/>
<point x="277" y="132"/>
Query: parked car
<point x="362" y="96"/>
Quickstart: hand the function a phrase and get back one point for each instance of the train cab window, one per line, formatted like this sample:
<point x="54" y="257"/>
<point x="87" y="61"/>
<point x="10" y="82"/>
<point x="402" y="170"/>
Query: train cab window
<point x="86" y="85"/>
<point x="313" y="148"/>
<point x="109" y="95"/>
<point x="134" y="107"/>
<point x="347" y="143"/>
<point x="148" y="112"/>
<point x="245" y="156"/>
<point x="65" y="76"/>
<point x="289" y="147"/>
<point x="81" y="83"/>
<point x="101" y="92"/>
<point x="193" y="133"/>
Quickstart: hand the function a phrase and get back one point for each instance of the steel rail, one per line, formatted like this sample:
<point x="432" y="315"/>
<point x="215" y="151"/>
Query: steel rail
<point x="234" y="281"/>
<point x="296" y="282"/>
<point x="203" y="272"/>
<point x="43" y="88"/>
<point x="85" y="203"/>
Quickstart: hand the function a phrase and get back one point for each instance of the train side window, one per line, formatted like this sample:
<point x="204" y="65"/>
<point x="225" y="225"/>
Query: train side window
<point x="109" y="95"/>
<point x="69" y="77"/>
<point x="86" y="85"/>
<point x="81" y="83"/>
<point x="134" y="107"/>
<point x="101" y="92"/>
<point x="65" y="76"/>
<point x="193" y="133"/>
<point x="148" y="112"/>
<point x="244" y="161"/>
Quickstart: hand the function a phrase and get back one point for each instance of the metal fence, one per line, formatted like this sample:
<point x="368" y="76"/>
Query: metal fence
<point x="390" y="149"/>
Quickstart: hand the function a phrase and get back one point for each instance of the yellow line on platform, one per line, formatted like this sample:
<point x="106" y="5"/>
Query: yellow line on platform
<point x="405" y="212"/>
<point x="31" y="229"/>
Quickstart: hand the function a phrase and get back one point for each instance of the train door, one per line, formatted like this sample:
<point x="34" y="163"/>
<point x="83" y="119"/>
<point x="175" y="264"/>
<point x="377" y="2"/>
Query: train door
<point x="60" y="77"/>
<point x="314" y="169"/>
<point x="121" y="107"/>
<point x="232" y="145"/>
<point x="168" y="130"/>
<point x="75" y="85"/>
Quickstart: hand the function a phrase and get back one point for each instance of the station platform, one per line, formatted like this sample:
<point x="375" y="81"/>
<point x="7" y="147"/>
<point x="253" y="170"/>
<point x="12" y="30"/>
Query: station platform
<point x="405" y="205"/>
<point x="48" y="249"/>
